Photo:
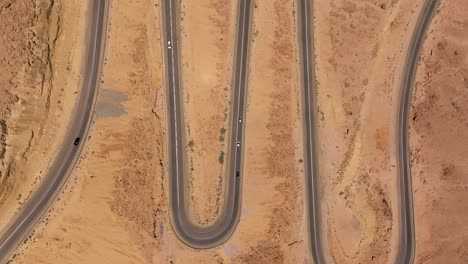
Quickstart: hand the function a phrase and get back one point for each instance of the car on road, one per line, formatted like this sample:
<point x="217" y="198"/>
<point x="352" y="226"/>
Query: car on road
<point x="169" y="44"/>
<point x="238" y="144"/>
<point x="237" y="174"/>
<point x="77" y="141"/>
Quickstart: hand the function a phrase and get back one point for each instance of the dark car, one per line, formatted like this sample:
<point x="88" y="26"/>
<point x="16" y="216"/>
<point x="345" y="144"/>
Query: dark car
<point x="237" y="174"/>
<point x="77" y="141"/>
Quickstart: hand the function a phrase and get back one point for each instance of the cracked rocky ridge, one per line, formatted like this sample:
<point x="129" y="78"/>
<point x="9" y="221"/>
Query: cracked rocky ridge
<point x="28" y="33"/>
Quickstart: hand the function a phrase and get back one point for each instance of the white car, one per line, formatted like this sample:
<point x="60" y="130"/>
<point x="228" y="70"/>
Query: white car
<point x="169" y="44"/>
<point x="238" y="144"/>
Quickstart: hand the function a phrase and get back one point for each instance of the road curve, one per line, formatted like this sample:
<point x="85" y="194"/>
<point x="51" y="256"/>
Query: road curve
<point x="32" y="211"/>
<point x="406" y="247"/>
<point x="306" y="46"/>
<point x="188" y="232"/>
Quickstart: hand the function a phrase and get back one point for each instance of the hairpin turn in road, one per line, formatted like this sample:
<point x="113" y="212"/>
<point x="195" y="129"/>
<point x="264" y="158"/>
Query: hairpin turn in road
<point x="191" y="234"/>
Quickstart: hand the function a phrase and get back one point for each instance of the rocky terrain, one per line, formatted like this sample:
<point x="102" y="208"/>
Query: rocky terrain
<point x="114" y="208"/>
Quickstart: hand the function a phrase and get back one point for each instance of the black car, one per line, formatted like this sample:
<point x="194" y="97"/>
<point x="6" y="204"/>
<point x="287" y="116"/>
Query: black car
<point x="237" y="174"/>
<point x="77" y="141"/>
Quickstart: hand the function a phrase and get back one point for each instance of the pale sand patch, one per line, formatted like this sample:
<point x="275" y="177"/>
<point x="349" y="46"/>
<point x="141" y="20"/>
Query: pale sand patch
<point x="207" y="49"/>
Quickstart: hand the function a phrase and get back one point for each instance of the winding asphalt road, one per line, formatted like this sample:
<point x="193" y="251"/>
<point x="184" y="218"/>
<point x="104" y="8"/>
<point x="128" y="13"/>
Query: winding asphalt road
<point x="32" y="211"/>
<point x="215" y="234"/>
<point x="406" y="248"/>
<point x="306" y="46"/>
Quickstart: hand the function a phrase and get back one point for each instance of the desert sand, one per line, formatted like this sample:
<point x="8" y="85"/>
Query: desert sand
<point x="114" y="207"/>
<point x="360" y="48"/>
<point x="439" y="139"/>
<point x="207" y="48"/>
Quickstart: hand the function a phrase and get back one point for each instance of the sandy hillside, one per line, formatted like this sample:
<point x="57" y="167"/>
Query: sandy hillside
<point x="38" y="91"/>
<point x="439" y="139"/>
<point x="207" y="41"/>
<point x="360" y="48"/>
<point x="114" y="208"/>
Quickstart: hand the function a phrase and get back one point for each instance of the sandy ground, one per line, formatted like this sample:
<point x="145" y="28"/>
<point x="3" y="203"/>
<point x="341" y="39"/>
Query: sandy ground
<point x="38" y="91"/>
<point x="114" y="209"/>
<point x="108" y="211"/>
<point x="360" y="48"/>
<point x="439" y="139"/>
<point x="207" y="41"/>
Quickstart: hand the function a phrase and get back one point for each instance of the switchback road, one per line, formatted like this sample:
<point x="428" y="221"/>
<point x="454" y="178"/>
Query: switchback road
<point x="188" y="232"/>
